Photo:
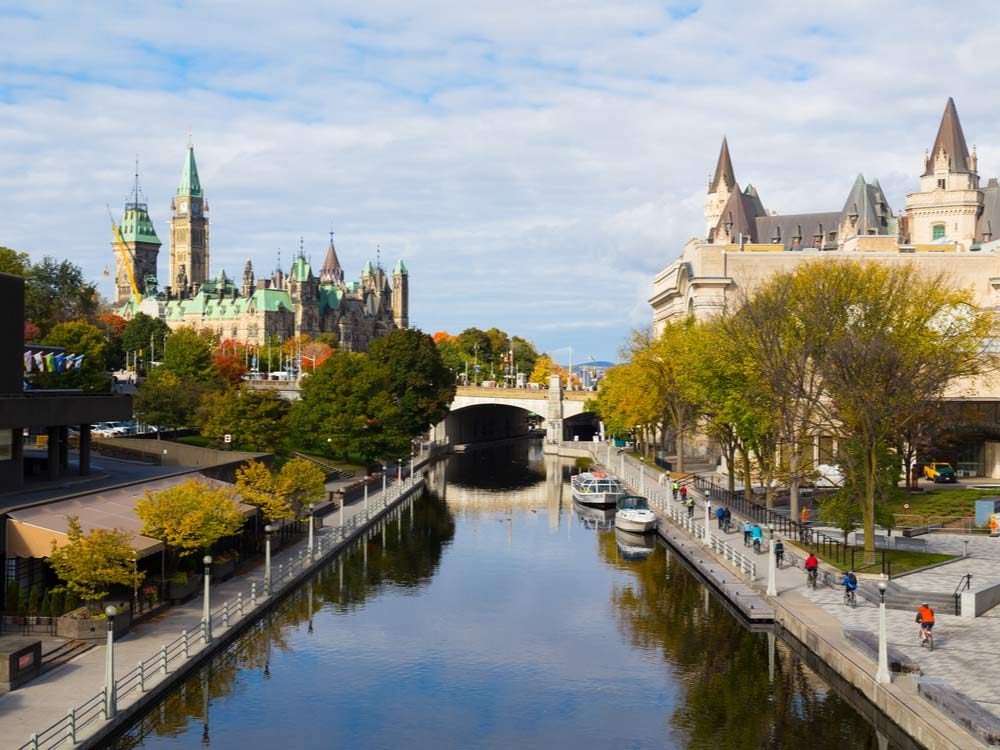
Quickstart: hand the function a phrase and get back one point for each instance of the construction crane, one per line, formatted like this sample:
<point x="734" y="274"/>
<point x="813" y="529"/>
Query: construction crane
<point x="126" y="256"/>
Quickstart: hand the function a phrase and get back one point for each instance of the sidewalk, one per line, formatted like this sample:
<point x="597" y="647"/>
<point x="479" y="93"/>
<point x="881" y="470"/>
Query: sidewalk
<point x="46" y="700"/>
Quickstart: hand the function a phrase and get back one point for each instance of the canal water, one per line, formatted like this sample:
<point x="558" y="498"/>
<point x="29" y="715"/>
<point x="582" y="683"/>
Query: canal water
<point x="497" y="614"/>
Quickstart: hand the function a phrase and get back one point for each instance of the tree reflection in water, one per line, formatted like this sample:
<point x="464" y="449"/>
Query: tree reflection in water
<point x="729" y="700"/>
<point x="394" y="559"/>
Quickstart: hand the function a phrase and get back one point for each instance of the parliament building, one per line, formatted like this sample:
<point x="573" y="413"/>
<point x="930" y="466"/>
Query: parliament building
<point x="250" y="310"/>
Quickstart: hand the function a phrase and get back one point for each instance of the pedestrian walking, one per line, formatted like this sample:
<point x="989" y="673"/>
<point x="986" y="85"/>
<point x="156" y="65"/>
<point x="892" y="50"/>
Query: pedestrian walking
<point x="690" y="507"/>
<point x="720" y="516"/>
<point x="676" y="487"/>
<point x="747" y="529"/>
<point x="684" y="493"/>
<point x="804" y="515"/>
<point x="779" y="552"/>
<point x="727" y="522"/>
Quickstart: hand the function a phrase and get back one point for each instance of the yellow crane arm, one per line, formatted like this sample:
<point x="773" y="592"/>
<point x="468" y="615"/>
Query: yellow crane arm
<point x="126" y="256"/>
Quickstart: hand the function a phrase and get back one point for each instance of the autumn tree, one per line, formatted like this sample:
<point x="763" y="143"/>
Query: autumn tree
<point x="256" y="485"/>
<point x="166" y="400"/>
<point x="257" y="419"/>
<point x="89" y="564"/>
<point x="189" y="517"/>
<point x="188" y="355"/>
<point x="79" y="337"/>
<point x="544" y="369"/>
<point x="300" y="483"/>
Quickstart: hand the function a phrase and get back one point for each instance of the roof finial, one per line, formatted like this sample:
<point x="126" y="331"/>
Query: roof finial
<point x="378" y="256"/>
<point x="279" y="260"/>
<point x="331" y="234"/>
<point x="302" y="249"/>
<point x="190" y="142"/>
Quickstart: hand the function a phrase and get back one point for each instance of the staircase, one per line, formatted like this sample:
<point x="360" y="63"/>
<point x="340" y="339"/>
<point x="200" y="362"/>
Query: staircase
<point x="897" y="597"/>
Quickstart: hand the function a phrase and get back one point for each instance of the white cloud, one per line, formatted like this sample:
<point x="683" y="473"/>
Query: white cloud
<point x="535" y="163"/>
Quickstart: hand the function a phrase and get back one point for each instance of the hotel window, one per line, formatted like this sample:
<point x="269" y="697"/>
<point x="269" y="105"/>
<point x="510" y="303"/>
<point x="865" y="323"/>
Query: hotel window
<point x="938" y="232"/>
<point x="941" y="184"/>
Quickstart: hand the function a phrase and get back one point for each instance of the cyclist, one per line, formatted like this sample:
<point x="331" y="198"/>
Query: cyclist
<point x="757" y="535"/>
<point x="747" y="530"/>
<point x="727" y="521"/>
<point x="850" y="584"/>
<point x="812" y="569"/>
<point x="925" y="616"/>
<point x="779" y="552"/>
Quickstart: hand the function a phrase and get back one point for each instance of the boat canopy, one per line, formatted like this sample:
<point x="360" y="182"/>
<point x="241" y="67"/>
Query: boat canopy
<point x="598" y="485"/>
<point x="633" y="502"/>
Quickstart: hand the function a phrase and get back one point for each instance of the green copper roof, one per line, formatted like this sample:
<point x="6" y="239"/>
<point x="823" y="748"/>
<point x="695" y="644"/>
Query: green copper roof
<point x="270" y="300"/>
<point x="190" y="184"/>
<point x="301" y="269"/>
<point x="400" y="268"/>
<point x="368" y="269"/>
<point x="136" y="225"/>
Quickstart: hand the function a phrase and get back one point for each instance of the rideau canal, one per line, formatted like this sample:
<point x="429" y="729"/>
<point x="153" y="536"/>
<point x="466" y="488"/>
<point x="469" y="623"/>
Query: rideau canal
<point x="498" y="614"/>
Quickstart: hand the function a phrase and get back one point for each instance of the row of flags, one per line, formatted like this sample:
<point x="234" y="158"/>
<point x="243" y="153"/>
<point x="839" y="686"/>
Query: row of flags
<point x="42" y="362"/>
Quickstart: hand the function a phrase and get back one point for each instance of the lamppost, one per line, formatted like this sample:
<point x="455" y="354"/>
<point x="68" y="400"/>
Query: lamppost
<point x="385" y="470"/>
<point x="412" y="454"/>
<point x="206" y="612"/>
<point x="772" y="564"/>
<point x="110" y="698"/>
<point x="366" y="497"/>
<point x="708" y="522"/>
<point x="400" y="475"/>
<point x="267" y="559"/>
<point x="642" y="475"/>
<point x="883" y="676"/>
<point x="135" y="584"/>
<point x="312" y="555"/>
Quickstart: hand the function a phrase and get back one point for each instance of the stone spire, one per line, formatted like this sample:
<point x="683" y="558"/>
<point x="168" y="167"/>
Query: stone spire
<point x="949" y="146"/>
<point x="331" y="271"/>
<point x="724" y="174"/>
<point x="189" y="184"/>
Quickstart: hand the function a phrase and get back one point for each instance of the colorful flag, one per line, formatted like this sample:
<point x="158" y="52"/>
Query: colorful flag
<point x="39" y="361"/>
<point x="79" y="361"/>
<point x="50" y="362"/>
<point x="27" y="361"/>
<point x="60" y="361"/>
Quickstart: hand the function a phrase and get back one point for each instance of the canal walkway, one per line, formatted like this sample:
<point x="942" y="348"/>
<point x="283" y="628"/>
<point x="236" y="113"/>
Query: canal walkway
<point x="64" y="707"/>
<point x="966" y="656"/>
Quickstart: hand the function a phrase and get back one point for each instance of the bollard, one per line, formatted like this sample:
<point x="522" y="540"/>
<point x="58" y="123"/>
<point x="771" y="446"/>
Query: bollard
<point x="184" y="638"/>
<point x="253" y="594"/>
<point x="142" y="677"/>
<point x="225" y="616"/>
<point x="71" y="717"/>
<point x="239" y="602"/>
<point x="163" y="659"/>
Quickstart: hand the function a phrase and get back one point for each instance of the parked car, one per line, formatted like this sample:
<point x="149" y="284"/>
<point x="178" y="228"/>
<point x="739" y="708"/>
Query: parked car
<point x="829" y="476"/>
<point x="940" y="472"/>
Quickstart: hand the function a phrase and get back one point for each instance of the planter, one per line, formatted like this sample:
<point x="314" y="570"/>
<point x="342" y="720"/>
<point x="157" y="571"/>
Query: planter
<point x="83" y="628"/>
<point x="179" y="592"/>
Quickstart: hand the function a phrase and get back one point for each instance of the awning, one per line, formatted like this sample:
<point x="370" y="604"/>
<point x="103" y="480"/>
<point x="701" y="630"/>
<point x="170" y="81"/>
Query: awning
<point x="31" y="531"/>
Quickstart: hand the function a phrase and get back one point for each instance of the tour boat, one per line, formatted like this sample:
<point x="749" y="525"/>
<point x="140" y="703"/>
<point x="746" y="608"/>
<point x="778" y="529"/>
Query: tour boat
<point x="632" y="546"/>
<point x="634" y="515"/>
<point x="596" y="488"/>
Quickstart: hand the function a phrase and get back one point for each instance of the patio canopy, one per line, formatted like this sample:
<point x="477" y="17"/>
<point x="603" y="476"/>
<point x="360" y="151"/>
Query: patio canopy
<point x="31" y="531"/>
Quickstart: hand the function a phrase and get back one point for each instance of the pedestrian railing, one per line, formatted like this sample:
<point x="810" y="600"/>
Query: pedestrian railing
<point x="148" y="672"/>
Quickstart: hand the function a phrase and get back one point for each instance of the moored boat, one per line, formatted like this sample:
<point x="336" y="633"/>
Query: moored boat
<point x="634" y="514"/>
<point x="632" y="546"/>
<point x="596" y="488"/>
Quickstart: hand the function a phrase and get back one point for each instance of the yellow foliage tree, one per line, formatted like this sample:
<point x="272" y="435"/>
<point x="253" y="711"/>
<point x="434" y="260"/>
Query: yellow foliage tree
<point x="89" y="564"/>
<point x="257" y="486"/>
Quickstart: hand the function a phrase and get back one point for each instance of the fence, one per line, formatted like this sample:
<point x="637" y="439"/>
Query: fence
<point x="151" y="671"/>
<point x="28" y="624"/>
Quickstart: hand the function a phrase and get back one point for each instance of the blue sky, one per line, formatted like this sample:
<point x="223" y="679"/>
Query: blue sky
<point x="535" y="164"/>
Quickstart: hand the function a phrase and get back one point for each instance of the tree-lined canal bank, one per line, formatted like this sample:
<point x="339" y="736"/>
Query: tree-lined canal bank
<point x="497" y="614"/>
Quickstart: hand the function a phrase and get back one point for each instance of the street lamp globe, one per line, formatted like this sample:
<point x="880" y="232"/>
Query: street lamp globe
<point x="207" y="559"/>
<point x="268" y="529"/>
<point x="110" y="611"/>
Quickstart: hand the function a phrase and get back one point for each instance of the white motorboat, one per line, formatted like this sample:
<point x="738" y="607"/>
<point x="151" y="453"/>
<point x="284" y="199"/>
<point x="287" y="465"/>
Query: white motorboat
<point x="596" y="488"/>
<point x="634" y="515"/>
<point x="634" y="547"/>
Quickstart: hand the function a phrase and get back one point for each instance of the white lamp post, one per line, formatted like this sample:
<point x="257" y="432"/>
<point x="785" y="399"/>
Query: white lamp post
<point x="708" y="522"/>
<point x="312" y="549"/>
<point x="772" y="564"/>
<point x="385" y="470"/>
<point x="366" y="498"/>
<point x="883" y="676"/>
<point x="110" y="698"/>
<point x="206" y="612"/>
<point x="267" y="559"/>
<point x="642" y="475"/>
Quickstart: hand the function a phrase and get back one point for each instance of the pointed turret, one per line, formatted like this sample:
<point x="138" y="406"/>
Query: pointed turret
<point x="331" y="271"/>
<point x="400" y="269"/>
<point x="949" y="147"/>
<point x="189" y="185"/>
<point x="724" y="175"/>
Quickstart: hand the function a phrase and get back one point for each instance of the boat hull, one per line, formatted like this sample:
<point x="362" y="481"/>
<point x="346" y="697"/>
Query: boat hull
<point x="635" y="523"/>
<point x="597" y="499"/>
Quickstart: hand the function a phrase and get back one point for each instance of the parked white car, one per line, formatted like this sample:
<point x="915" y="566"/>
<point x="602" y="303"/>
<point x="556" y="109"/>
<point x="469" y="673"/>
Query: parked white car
<point x="829" y="476"/>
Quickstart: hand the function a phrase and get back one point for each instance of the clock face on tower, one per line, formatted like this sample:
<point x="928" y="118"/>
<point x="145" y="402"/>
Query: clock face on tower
<point x="183" y="207"/>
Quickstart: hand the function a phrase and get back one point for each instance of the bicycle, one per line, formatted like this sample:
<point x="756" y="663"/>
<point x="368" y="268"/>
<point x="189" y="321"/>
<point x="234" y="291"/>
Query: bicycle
<point x="811" y="577"/>
<point x="756" y="546"/>
<point x="926" y="638"/>
<point x="850" y="598"/>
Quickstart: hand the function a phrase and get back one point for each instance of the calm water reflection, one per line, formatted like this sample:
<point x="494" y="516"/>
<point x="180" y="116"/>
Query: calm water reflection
<point x="497" y="615"/>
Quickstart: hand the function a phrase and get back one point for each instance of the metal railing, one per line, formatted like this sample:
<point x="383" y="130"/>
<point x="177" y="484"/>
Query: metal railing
<point x="155" y="668"/>
<point x="964" y="584"/>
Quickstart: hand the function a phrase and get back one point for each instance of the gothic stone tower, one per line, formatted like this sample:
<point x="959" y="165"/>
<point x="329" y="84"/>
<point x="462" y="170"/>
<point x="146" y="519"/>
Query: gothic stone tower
<point x="189" y="229"/>
<point x="720" y="188"/>
<point x="401" y="295"/>
<point x="143" y="247"/>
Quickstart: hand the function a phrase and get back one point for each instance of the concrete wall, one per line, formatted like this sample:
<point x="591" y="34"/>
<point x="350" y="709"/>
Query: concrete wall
<point x="981" y="599"/>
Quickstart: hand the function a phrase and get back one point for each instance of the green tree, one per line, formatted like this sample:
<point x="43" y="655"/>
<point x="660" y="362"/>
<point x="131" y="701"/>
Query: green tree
<point x="188" y="355"/>
<point x="257" y="486"/>
<point x="89" y="564"/>
<point x="420" y="384"/>
<point x="525" y="355"/>
<point x="189" y="517"/>
<point x="300" y="483"/>
<point x="256" y="419"/>
<point x="78" y="337"/>
<point x="56" y="292"/>
<point x="13" y="262"/>
<point x="146" y="334"/>
<point x="164" y="399"/>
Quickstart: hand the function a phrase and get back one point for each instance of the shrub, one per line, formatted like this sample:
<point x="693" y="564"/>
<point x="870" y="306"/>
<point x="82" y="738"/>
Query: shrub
<point x="12" y="598"/>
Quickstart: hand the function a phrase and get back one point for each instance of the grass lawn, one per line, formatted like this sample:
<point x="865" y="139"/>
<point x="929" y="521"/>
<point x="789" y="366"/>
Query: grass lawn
<point x="902" y="560"/>
<point x="954" y="501"/>
<point x="196" y="440"/>
<point x="343" y="466"/>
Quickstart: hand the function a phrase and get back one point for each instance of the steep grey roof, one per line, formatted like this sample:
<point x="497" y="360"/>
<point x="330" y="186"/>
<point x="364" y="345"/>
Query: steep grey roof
<point x="866" y="208"/>
<point x="951" y="140"/>
<point x="988" y="223"/>
<point x="724" y="174"/>
<point x="739" y="215"/>
<point x="798" y="231"/>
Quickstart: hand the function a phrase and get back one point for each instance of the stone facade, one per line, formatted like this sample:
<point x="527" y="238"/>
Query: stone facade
<point x="259" y="310"/>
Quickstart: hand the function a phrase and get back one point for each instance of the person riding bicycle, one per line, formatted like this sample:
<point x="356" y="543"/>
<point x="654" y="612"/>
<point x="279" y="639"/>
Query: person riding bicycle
<point x="812" y="566"/>
<point x="757" y="535"/>
<point x="727" y="520"/>
<point x="925" y="616"/>
<point x="747" y="530"/>
<point x="779" y="552"/>
<point x="850" y="583"/>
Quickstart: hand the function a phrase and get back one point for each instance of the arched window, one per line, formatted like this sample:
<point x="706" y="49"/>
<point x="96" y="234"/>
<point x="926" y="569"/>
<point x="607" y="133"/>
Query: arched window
<point x="938" y="232"/>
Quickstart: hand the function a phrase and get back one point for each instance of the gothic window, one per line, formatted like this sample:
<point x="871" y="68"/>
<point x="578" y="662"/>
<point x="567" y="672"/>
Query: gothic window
<point x="938" y="232"/>
<point x="941" y="184"/>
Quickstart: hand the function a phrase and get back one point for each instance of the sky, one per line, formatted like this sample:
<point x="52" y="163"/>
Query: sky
<point x="535" y="164"/>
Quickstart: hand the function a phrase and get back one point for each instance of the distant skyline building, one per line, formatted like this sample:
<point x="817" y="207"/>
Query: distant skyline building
<point x="256" y="310"/>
